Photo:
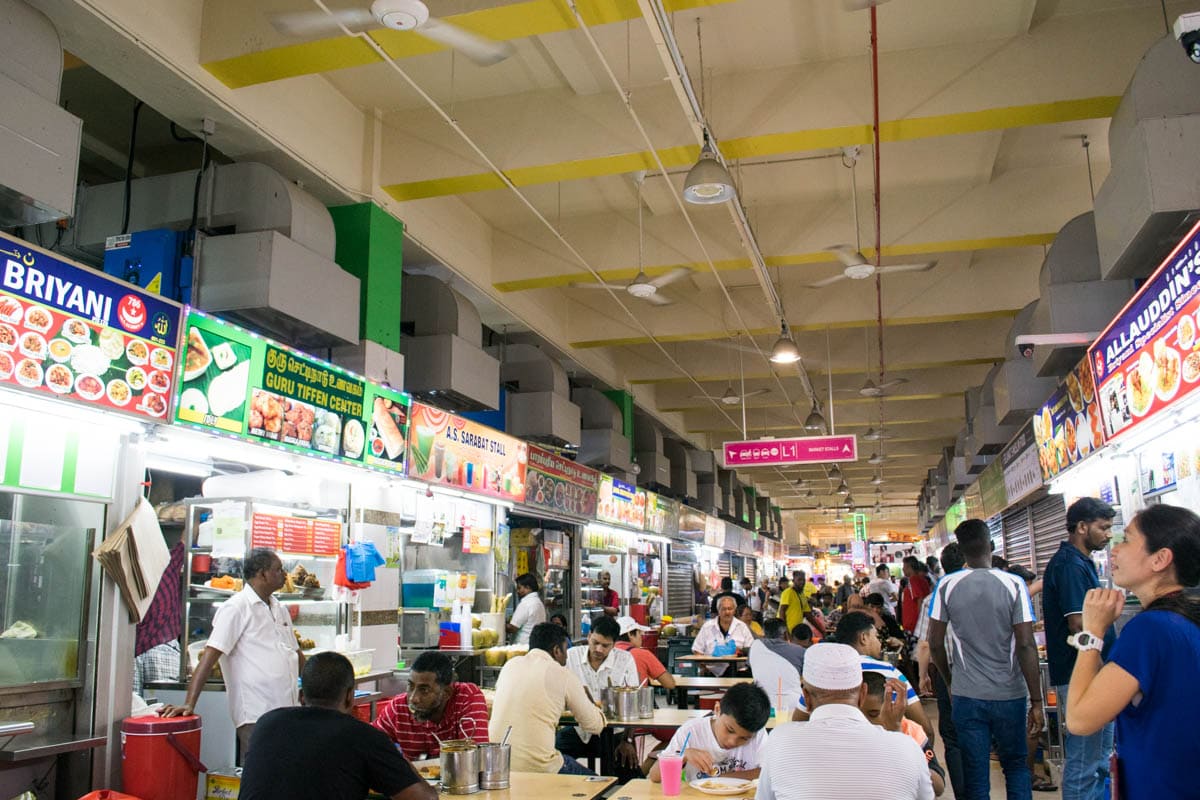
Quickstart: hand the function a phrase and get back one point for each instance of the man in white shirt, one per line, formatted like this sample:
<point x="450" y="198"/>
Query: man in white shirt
<point x="871" y="764"/>
<point x="600" y="664"/>
<point x="529" y="611"/>
<point x="531" y="693"/>
<point x="721" y="634"/>
<point x="776" y="664"/>
<point x="883" y="585"/>
<point x="253" y="640"/>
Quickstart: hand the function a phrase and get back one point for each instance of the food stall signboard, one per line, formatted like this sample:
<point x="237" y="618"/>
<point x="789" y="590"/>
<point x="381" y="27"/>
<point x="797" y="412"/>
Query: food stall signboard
<point x="235" y="381"/>
<point x="1149" y="355"/>
<point x="75" y="333"/>
<point x="1068" y="428"/>
<point x="662" y="514"/>
<point x="797" y="450"/>
<point x="297" y="535"/>
<point x="714" y="532"/>
<point x="991" y="489"/>
<point x="1019" y="460"/>
<point x="452" y="450"/>
<point x="560" y="484"/>
<point x="621" y="503"/>
<point x="860" y="527"/>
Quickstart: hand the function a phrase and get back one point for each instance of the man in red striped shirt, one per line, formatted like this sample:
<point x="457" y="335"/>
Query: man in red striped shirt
<point x="434" y="707"/>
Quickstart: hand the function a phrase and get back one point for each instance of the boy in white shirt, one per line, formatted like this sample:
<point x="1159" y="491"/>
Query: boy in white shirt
<point x="726" y="743"/>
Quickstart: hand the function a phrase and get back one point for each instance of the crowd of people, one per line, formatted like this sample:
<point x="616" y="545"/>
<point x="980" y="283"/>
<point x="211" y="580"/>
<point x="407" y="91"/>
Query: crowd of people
<point x="848" y="662"/>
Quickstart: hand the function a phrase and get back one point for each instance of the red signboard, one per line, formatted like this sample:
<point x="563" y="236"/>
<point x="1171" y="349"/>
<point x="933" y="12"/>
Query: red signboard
<point x="784" y="452"/>
<point x="298" y="535"/>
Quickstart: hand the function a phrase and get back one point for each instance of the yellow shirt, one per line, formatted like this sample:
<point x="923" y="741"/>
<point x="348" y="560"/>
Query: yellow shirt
<point x="809" y="589"/>
<point x="532" y="692"/>
<point x="756" y="629"/>
<point x="797" y="606"/>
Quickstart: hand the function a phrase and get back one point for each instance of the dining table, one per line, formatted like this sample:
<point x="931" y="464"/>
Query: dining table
<point x="685" y="682"/>
<point x="646" y="790"/>
<point x="536" y="784"/>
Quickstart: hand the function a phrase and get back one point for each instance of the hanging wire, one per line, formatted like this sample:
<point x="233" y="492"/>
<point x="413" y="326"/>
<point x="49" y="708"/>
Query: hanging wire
<point x="1166" y="21"/>
<point x="700" y="49"/>
<point x="1087" y="149"/>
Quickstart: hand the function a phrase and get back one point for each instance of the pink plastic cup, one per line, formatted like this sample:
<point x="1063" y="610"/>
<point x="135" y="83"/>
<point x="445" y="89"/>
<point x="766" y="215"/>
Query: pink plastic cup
<point x="670" y="769"/>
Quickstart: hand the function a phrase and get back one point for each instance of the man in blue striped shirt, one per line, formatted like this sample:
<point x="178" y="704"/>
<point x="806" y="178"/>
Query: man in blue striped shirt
<point x="994" y="677"/>
<point x="857" y="630"/>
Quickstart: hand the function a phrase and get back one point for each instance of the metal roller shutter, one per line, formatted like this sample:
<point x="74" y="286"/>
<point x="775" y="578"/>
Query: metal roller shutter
<point x="680" y="590"/>
<point x="996" y="529"/>
<point x="751" y="570"/>
<point x="1049" y="529"/>
<point x="725" y="565"/>
<point x="1017" y="544"/>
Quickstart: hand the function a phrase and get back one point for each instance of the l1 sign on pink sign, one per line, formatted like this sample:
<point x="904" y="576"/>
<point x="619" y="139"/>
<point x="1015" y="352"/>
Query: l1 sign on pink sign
<point x="783" y="452"/>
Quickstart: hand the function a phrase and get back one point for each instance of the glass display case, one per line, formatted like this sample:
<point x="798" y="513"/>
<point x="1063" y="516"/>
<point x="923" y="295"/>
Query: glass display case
<point x="221" y="532"/>
<point x="46" y="544"/>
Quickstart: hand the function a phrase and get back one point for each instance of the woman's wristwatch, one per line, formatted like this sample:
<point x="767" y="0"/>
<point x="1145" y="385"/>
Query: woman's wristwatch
<point x="1084" y="641"/>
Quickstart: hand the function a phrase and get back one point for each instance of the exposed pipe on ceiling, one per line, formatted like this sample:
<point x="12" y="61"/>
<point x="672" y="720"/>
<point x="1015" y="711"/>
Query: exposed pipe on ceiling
<point x="668" y="48"/>
<point x="878" y="191"/>
<point x="499" y="173"/>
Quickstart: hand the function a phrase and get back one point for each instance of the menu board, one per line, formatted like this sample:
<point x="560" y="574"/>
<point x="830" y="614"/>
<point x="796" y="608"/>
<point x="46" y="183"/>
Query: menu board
<point x="662" y="514"/>
<point x="561" y="485"/>
<point x="1020" y="462"/>
<point x="452" y="450"/>
<point x="297" y="535"/>
<point x="235" y="381"/>
<point x="75" y="333"/>
<point x="1069" y="428"/>
<point x="621" y="503"/>
<point x="714" y="532"/>
<point x="1149" y="357"/>
<point x="992" y="490"/>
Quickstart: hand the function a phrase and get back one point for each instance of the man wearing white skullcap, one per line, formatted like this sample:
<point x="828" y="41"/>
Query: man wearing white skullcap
<point x="873" y="763"/>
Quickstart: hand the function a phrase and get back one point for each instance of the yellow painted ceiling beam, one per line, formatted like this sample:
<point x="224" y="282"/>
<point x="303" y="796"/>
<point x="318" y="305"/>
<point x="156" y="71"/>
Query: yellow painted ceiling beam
<point x="771" y="144"/>
<point x="704" y="405"/>
<point x="500" y="23"/>
<point x="892" y="368"/>
<point x="794" y="260"/>
<point x="894" y="322"/>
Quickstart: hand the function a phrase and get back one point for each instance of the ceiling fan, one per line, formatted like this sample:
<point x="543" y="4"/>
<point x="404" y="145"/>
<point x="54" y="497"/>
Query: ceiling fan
<point x="643" y="287"/>
<point x="397" y="15"/>
<point x="855" y="267"/>
<point x="729" y="397"/>
<point x="861" y="5"/>
<point x="870" y="388"/>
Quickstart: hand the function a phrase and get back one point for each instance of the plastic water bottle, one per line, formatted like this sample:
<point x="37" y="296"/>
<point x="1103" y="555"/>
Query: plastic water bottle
<point x="585" y="625"/>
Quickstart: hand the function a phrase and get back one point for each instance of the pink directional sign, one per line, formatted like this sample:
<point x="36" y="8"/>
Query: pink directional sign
<point x="782" y="452"/>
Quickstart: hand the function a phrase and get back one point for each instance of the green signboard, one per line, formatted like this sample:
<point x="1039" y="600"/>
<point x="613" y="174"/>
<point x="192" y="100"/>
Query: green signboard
<point x="992" y="490"/>
<point x="235" y="381"/>
<point x="860" y="527"/>
<point x="955" y="514"/>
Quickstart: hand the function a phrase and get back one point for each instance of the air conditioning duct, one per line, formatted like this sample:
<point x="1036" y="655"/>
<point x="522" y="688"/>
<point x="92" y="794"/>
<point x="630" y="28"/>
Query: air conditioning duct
<point x="1149" y="199"/>
<point x="762" y="504"/>
<point x="274" y="272"/>
<point x="738" y="492"/>
<point x="39" y="140"/>
<point x="601" y="442"/>
<point x="444" y="362"/>
<point x="1072" y="296"/>
<point x="988" y="437"/>
<point x="683" y="478"/>
<point x="648" y="442"/>
<point x="539" y="407"/>
<point x="1017" y="389"/>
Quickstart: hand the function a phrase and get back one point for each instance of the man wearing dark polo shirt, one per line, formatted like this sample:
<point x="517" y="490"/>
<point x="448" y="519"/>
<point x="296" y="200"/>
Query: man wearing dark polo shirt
<point x="1069" y="576"/>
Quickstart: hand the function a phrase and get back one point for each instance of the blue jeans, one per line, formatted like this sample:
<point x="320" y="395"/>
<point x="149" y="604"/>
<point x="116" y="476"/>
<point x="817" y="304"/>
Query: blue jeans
<point x="979" y="723"/>
<point x="1086" y="764"/>
<point x="572" y="767"/>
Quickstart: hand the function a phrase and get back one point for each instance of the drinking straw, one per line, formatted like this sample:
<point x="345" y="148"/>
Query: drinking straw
<point x="686" y="739"/>
<point x="504" y="741"/>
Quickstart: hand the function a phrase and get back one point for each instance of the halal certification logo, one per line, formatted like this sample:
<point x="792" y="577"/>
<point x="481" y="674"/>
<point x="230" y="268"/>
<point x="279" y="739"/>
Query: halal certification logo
<point x="161" y="324"/>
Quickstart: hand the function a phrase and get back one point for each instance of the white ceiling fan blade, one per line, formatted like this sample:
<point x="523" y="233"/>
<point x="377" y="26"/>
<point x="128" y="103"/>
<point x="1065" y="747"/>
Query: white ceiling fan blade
<point x="756" y="393"/>
<point x="484" y="52"/>
<point x="861" y="5"/>
<point x="893" y="382"/>
<point x="705" y="397"/>
<point x="303" y="24"/>
<point x="668" y="278"/>
<point x="925" y="267"/>
<point x="1055" y="339"/>
<point x="616" y="287"/>
<point x="828" y="281"/>
<point x="847" y="255"/>
<point x="657" y="299"/>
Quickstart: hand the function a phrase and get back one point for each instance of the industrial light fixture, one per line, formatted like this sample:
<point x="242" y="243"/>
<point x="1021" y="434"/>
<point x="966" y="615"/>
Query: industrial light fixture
<point x="784" y="351"/>
<point x="843" y="488"/>
<point x="876" y="459"/>
<point x="835" y="471"/>
<point x="878" y="479"/>
<point x="708" y="182"/>
<point x="878" y="508"/>
<point x="849" y="503"/>
<point x="814" y="421"/>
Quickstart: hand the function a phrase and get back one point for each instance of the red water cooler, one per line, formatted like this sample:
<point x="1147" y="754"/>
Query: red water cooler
<point x="161" y="757"/>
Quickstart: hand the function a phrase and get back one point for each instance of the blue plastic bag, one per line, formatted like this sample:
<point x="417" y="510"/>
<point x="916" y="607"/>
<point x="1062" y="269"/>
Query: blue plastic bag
<point x="361" y="560"/>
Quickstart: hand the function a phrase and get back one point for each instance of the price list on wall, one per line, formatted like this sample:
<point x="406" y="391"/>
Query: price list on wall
<point x="298" y="535"/>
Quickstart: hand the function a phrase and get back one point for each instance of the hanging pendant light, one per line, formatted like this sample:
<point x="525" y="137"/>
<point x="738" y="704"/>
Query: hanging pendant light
<point x="814" y="421"/>
<point x="843" y="488"/>
<point x="784" y="351"/>
<point x="835" y="472"/>
<point x="708" y="182"/>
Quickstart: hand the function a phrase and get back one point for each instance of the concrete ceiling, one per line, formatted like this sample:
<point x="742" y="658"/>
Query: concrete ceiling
<point x="983" y="103"/>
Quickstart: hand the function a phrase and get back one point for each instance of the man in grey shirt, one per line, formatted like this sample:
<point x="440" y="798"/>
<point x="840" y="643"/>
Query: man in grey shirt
<point x="994" y="675"/>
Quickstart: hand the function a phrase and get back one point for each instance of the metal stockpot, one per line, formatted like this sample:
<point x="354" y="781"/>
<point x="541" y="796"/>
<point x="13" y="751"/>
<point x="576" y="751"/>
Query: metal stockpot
<point x="493" y="765"/>
<point x="620" y="703"/>
<point x="645" y="704"/>
<point x="460" y="767"/>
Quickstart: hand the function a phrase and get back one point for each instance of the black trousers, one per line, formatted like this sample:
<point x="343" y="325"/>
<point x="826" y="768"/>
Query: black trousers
<point x="954" y="763"/>
<point x="601" y="746"/>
